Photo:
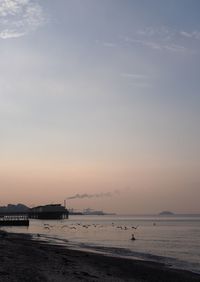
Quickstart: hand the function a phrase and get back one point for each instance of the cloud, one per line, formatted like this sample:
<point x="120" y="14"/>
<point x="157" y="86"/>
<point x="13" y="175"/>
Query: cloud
<point x="192" y="35"/>
<point x="106" y="43"/>
<point x="166" y="34"/>
<point x="158" y="45"/>
<point x="109" y="44"/>
<point x="165" y="39"/>
<point x="19" y="17"/>
<point x="162" y="32"/>
<point x="137" y="79"/>
<point x="10" y="34"/>
<point x="186" y="34"/>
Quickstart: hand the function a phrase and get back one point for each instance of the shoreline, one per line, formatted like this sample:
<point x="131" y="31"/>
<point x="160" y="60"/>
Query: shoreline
<point x="25" y="259"/>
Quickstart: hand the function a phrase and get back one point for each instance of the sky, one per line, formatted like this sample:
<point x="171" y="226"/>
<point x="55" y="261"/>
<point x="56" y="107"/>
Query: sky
<point x="100" y="98"/>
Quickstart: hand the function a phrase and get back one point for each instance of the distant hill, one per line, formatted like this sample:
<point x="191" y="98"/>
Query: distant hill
<point x="166" y="213"/>
<point x="14" y="208"/>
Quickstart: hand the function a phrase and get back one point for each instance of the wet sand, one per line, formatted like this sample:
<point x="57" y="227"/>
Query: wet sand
<point x="23" y="259"/>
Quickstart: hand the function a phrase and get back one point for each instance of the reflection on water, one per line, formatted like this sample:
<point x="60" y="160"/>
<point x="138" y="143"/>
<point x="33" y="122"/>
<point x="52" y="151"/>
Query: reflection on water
<point x="175" y="240"/>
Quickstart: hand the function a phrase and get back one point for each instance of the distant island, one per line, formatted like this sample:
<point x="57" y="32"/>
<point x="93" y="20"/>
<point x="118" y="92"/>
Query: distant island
<point x="166" y="213"/>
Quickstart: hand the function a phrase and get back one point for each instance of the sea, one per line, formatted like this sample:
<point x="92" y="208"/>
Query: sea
<point x="172" y="240"/>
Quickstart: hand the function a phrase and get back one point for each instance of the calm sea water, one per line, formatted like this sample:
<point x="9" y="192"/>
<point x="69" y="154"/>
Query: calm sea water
<point x="172" y="240"/>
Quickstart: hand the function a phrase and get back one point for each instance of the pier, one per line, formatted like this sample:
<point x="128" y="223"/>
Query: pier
<point x="14" y="219"/>
<point x="50" y="212"/>
<point x="53" y="211"/>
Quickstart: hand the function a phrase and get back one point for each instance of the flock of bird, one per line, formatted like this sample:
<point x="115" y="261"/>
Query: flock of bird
<point x="86" y="226"/>
<point x="76" y="226"/>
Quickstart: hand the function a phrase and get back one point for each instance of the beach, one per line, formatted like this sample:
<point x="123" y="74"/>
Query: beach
<point x="25" y="259"/>
<point x="99" y="140"/>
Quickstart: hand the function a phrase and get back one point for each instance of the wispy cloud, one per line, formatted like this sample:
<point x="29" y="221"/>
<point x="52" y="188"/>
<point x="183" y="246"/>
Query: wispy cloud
<point x="193" y="34"/>
<point x="156" y="45"/>
<point x="137" y="79"/>
<point x="166" y="34"/>
<point x="19" y="17"/>
<point x="133" y="75"/>
<point x="10" y="34"/>
<point x="106" y="43"/>
<point x="109" y="44"/>
<point x="164" y="39"/>
<point x="161" y="32"/>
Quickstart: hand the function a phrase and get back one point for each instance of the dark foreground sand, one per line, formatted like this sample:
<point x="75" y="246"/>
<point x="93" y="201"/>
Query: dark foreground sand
<point x="23" y="259"/>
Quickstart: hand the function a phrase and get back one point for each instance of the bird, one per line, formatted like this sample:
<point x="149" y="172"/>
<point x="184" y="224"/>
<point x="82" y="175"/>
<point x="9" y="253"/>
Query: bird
<point x="133" y="237"/>
<point x="135" y="227"/>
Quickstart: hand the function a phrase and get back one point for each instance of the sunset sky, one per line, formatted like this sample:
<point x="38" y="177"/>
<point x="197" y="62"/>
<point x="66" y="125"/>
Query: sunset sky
<point x="101" y="96"/>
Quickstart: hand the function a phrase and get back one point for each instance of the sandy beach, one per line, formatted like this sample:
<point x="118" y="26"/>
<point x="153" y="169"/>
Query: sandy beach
<point x="24" y="259"/>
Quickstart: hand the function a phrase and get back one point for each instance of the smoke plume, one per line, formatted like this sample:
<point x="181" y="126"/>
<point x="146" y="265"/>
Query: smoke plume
<point x="82" y="196"/>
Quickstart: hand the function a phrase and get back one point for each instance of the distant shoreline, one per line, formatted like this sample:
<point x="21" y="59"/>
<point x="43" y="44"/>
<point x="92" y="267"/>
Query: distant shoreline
<point x="139" y="215"/>
<point x="25" y="259"/>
